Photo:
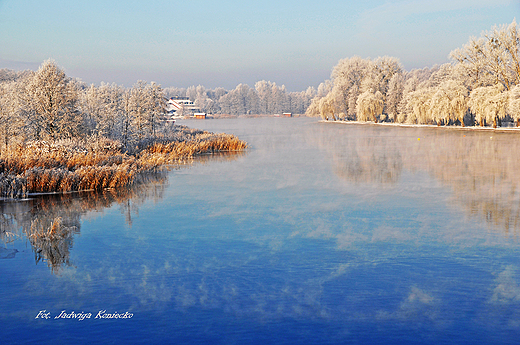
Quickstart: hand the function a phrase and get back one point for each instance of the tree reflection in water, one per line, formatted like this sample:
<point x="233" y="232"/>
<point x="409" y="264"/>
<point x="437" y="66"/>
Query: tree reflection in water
<point x="51" y="242"/>
<point x="50" y="222"/>
<point x="481" y="167"/>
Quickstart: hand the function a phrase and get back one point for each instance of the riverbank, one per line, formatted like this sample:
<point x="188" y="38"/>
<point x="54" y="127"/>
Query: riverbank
<point x="76" y="165"/>
<point x="393" y="124"/>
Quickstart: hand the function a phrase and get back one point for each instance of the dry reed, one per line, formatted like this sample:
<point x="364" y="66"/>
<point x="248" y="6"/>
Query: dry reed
<point x="68" y="165"/>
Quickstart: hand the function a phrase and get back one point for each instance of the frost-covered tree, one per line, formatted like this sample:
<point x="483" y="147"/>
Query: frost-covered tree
<point x="395" y="95"/>
<point x="101" y="107"/>
<point x="111" y="96"/>
<point x="324" y="88"/>
<point x="11" y="122"/>
<point x="353" y="95"/>
<point x="50" y="103"/>
<point x="155" y="106"/>
<point x="199" y="96"/>
<point x="218" y="92"/>
<point x="278" y="102"/>
<point x="497" y="108"/>
<point x="125" y="122"/>
<point x="263" y="91"/>
<point x="138" y="108"/>
<point x="419" y="106"/>
<point x="382" y="71"/>
<point x="348" y="78"/>
<point x="513" y="107"/>
<point x="170" y="92"/>
<point x="236" y="101"/>
<point x="145" y="106"/>
<point x="296" y="102"/>
<point x="449" y="102"/>
<point x="492" y="59"/>
<point x="369" y="105"/>
<point x="472" y="58"/>
<point x="313" y="109"/>
<point x="353" y="76"/>
<point x="489" y="104"/>
<point x="7" y="75"/>
<point x="439" y="75"/>
<point x="326" y="107"/>
<point x="92" y="108"/>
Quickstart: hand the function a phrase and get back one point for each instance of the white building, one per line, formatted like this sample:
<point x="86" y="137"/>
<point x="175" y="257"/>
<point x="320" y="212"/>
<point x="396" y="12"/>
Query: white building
<point x="181" y="106"/>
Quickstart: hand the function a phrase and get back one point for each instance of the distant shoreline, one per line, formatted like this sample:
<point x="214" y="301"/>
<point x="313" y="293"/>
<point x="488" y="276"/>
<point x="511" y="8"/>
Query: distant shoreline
<point x="389" y="124"/>
<point x="228" y="116"/>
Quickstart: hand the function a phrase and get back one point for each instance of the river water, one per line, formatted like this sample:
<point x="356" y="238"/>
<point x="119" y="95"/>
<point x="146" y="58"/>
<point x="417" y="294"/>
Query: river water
<point x="319" y="233"/>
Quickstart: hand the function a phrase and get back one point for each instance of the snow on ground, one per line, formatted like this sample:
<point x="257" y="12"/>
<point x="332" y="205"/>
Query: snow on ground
<point x="474" y="128"/>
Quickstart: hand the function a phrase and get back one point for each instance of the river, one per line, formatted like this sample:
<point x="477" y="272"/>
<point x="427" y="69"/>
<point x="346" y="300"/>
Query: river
<point x="319" y="233"/>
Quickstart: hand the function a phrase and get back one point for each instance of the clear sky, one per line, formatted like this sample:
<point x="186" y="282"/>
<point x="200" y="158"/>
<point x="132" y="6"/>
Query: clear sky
<point x="224" y="43"/>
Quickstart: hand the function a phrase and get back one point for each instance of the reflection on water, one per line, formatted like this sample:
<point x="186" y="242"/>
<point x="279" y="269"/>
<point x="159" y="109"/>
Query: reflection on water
<point x="480" y="167"/>
<point x="50" y="222"/>
<point x="51" y="241"/>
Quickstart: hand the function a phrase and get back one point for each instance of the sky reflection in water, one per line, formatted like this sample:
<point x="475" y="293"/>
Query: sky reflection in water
<point x="320" y="233"/>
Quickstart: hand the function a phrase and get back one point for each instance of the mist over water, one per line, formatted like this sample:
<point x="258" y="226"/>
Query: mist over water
<point x="319" y="233"/>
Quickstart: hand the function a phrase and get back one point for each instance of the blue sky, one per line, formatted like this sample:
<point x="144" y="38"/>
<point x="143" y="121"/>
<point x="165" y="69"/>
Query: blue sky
<point x="224" y="43"/>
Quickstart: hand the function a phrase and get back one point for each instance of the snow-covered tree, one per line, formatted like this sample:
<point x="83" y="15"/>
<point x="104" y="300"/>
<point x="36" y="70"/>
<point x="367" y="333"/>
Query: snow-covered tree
<point x="263" y="91"/>
<point x="449" y="102"/>
<point x="349" y="75"/>
<point x="237" y="101"/>
<point x="383" y="69"/>
<point x="51" y="104"/>
<point x="101" y="107"/>
<point x="125" y="122"/>
<point x="313" y="109"/>
<point x="92" y="108"/>
<point x="488" y="103"/>
<point x="11" y="122"/>
<point x="170" y="92"/>
<point x="419" y="106"/>
<point x="298" y="102"/>
<point x="395" y="95"/>
<point x="111" y="96"/>
<point x="138" y="108"/>
<point x="155" y="106"/>
<point x="492" y="59"/>
<point x="326" y="107"/>
<point x="324" y="88"/>
<point x="513" y="107"/>
<point x="145" y="105"/>
<point x="369" y="105"/>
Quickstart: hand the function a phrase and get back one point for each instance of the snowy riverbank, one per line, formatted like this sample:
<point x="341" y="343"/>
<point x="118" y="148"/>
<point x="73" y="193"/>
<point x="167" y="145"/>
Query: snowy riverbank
<point x="467" y="128"/>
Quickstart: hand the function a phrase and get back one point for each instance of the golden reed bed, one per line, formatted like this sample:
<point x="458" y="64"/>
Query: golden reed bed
<point x="68" y="165"/>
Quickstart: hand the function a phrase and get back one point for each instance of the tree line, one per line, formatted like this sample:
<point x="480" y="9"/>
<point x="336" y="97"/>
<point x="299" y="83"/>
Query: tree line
<point x="480" y="86"/>
<point x="48" y="105"/>
<point x="265" y="97"/>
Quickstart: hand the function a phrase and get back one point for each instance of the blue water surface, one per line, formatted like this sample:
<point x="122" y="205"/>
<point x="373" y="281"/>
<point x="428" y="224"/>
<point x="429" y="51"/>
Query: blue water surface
<point x="319" y="234"/>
